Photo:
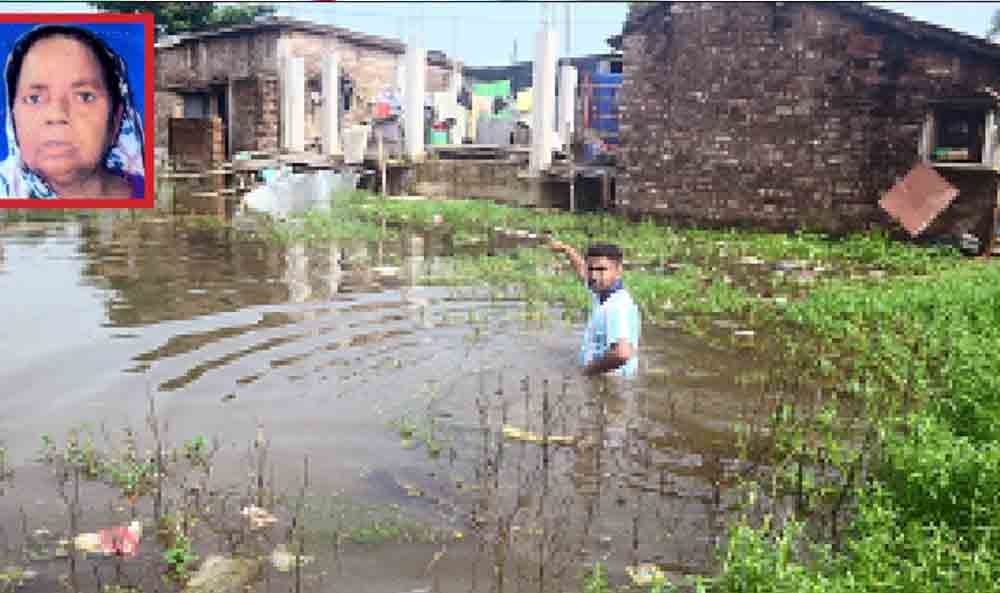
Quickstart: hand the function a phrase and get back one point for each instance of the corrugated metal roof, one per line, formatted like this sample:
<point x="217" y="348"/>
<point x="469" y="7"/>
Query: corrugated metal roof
<point x="272" y="22"/>
<point x="917" y="199"/>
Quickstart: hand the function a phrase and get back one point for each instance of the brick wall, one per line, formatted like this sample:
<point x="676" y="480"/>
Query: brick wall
<point x="244" y="114"/>
<point x="195" y="62"/>
<point x="266" y="129"/>
<point x="168" y="105"/>
<point x="494" y="180"/>
<point x="196" y="141"/>
<point x="251" y="61"/>
<point x="777" y="115"/>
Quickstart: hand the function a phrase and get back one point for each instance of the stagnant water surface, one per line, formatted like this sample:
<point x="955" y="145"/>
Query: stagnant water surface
<point x="393" y="395"/>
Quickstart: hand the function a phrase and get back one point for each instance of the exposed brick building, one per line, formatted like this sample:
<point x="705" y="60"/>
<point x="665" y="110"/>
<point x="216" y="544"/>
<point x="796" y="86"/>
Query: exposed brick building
<point x="232" y="73"/>
<point x="791" y="115"/>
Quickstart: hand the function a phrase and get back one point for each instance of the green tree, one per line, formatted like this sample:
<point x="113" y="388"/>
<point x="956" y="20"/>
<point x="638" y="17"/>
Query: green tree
<point x="994" y="29"/>
<point x="179" y="17"/>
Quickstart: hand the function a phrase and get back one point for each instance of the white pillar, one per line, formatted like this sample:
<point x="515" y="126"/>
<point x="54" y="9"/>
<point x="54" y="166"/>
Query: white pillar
<point x="416" y="66"/>
<point x="567" y="103"/>
<point x="544" y="84"/>
<point x="329" y="126"/>
<point x="294" y="105"/>
<point x="456" y="78"/>
<point x="401" y="79"/>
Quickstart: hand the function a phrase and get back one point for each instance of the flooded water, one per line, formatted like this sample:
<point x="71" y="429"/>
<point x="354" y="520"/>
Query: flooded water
<point x="429" y="401"/>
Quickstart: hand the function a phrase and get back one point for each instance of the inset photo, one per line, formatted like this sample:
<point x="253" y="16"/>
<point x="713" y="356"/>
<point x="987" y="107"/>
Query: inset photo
<point x="77" y="107"/>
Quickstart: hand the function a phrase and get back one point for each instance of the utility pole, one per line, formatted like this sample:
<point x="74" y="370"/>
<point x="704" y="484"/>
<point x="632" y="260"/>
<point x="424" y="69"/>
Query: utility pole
<point x="570" y="152"/>
<point x="569" y="29"/>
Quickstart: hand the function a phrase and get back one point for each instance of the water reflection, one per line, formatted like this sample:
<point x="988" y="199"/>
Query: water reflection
<point x="297" y="273"/>
<point x="334" y="275"/>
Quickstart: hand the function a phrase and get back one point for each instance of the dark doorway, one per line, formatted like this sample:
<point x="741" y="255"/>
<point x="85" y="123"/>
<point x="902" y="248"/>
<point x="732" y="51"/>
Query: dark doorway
<point x="224" y="116"/>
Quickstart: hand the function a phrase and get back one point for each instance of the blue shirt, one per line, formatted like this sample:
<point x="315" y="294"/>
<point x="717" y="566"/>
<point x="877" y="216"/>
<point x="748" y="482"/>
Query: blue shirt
<point x="616" y="318"/>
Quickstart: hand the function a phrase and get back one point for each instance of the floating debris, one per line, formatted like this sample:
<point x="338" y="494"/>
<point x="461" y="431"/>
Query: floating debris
<point x="645" y="574"/>
<point x="219" y="573"/>
<point x="750" y="260"/>
<point x="15" y="576"/>
<point x="517" y="434"/>
<point x="284" y="561"/>
<point x="806" y="276"/>
<point x="792" y="264"/>
<point x="259" y="518"/>
<point x="412" y="490"/>
<point x="114" y="541"/>
<point x="744" y="333"/>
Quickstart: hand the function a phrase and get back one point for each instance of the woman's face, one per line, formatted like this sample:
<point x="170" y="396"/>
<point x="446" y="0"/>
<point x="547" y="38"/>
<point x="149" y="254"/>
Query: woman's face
<point x="62" y="110"/>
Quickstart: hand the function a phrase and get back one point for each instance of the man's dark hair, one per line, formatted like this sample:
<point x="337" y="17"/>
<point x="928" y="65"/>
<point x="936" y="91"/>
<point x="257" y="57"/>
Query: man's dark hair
<point x="103" y="53"/>
<point x="612" y="252"/>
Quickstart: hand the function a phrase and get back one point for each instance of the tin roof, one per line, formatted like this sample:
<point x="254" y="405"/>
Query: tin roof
<point x="917" y="199"/>
<point x="281" y="23"/>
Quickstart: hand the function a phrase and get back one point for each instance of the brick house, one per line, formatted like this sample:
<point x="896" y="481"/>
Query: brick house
<point x="232" y="74"/>
<point x="789" y="115"/>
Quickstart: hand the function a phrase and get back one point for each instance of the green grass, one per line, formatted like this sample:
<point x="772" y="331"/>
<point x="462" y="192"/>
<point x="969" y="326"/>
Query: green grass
<point x="919" y="357"/>
<point x="642" y="242"/>
<point x="334" y="518"/>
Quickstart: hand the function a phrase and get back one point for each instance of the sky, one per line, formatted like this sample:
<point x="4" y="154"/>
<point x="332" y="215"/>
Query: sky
<point x="484" y="34"/>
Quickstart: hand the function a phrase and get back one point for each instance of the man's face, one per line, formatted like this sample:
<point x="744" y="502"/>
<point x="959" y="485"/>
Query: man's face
<point x="602" y="272"/>
<point x="62" y="110"/>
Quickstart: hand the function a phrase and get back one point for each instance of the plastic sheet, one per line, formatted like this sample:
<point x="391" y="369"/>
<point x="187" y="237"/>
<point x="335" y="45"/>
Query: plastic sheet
<point x="296" y="193"/>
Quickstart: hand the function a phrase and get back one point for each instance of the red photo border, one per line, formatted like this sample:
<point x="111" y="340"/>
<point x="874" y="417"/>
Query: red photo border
<point x="146" y="19"/>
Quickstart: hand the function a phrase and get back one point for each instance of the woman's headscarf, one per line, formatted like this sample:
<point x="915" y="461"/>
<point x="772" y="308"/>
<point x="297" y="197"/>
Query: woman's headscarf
<point x="125" y="155"/>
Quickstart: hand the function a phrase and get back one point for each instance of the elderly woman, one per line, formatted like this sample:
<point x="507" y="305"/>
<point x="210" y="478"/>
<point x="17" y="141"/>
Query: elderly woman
<point x="72" y="130"/>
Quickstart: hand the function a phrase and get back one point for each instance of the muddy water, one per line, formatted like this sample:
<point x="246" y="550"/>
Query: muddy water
<point x="386" y="392"/>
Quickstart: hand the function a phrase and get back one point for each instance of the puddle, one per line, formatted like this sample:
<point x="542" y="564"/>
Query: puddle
<point x="397" y="396"/>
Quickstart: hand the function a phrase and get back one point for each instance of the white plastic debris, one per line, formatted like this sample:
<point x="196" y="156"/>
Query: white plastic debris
<point x="259" y="518"/>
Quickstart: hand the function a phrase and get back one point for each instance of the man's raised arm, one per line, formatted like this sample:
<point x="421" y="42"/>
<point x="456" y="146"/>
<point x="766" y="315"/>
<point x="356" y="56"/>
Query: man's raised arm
<point x="574" y="258"/>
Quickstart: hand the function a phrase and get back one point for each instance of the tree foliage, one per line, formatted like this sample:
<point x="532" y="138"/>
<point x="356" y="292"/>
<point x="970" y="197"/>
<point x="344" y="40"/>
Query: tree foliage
<point x="180" y="17"/>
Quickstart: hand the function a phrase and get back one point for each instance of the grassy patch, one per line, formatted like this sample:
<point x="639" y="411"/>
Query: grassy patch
<point x="333" y="519"/>
<point x="918" y="356"/>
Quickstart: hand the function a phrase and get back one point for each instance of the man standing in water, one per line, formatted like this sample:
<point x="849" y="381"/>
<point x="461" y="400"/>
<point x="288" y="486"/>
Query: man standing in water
<point x="611" y="342"/>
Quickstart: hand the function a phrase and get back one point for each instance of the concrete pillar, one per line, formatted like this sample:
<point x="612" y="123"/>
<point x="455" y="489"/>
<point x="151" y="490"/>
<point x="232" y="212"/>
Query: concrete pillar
<point x="401" y="78"/>
<point x="567" y="104"/>
<point x="544" y="81"/>
<point x="329" y="126"/>
<point x="293" y="99"/>
<point x="416" y="76"/>
<point x="456" y="78"/>
<point x="230" y="149"/>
